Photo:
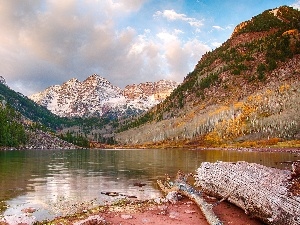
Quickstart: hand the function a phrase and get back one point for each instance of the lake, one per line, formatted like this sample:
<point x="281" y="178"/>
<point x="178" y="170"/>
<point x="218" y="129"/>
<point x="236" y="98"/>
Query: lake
<point x="57" y="182"/>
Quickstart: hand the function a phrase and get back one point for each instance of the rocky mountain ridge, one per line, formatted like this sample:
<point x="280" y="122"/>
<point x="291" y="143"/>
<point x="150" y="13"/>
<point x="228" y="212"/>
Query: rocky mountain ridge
<point x="96" y="96"/>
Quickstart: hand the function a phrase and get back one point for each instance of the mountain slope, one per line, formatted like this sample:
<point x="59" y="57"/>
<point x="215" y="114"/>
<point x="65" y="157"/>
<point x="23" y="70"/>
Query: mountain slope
<point x="96" y="96"/>
<point x="246" y="89"/>
<point x="29" y="108"/>
<point x="12" y="133"/>
<point x="23" y="123"/>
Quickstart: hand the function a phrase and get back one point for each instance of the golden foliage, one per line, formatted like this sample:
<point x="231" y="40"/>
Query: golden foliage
<point x="255" y="106"/>
<point x="219" y="110"/>
<point x="292" y="143"/>
<point x="291" y="32"/>
<point x="284" y="88"/>
<point x="213" y="139"/>
<point x="260" y="143"/>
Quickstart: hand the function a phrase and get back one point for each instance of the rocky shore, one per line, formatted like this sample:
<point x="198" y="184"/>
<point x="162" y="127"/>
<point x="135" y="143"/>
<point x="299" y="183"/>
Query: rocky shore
<point x="43" y="140"/>
<point x="176" y="208"/>
<point x="161" y="212"/>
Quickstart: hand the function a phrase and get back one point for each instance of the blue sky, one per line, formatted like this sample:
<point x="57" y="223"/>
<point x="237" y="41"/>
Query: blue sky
<point x="47" y="42"/>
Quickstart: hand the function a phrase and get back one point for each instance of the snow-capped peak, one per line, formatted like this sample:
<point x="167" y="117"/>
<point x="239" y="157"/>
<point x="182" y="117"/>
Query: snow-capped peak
<point x="97" y="96"/>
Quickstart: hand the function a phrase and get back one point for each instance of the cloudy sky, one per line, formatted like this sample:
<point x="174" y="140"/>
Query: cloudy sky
<point x="47" y="42"/>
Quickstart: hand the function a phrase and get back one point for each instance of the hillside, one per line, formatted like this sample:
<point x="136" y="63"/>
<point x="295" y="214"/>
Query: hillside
<point x="247" y="89"/>
<point x="93" y="106"/>
<point x="28" y="108"/>
<point x="26" y="125"/>
<point x="12" y="132"/>
<point x="17" y="132"/>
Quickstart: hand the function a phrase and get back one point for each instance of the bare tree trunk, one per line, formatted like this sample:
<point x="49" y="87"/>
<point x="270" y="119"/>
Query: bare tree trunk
<point x="260" y="191"/>
<point x="181" y="186"/>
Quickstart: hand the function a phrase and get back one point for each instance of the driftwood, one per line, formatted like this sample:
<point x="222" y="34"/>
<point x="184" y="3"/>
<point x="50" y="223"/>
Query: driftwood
<point x="260" y="191"/>
<point x="181" y="186"/>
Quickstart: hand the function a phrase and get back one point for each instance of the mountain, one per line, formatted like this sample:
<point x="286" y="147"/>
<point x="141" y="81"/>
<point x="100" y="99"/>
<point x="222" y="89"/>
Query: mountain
<point x="26" y="125"/>
<point x="93" y="97"/>
<point x="145" y="95"/>
<point x="245" y="90"/>
<point x="29" y="108"/>
<point x="96" y="96"/>
<point x="75" y="98"/>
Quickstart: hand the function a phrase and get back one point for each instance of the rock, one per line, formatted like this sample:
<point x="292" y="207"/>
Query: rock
<point x="44" y="140"/>
<point x="295" y="170"/>
<point x="29" y="210"/>
<point x="17" y="219"/>
<point x="160" y="200"/>
<point x="189" y="211"/>
<point x="145" y="220"/>
<point x="111" y="193"/>
<point x="172" y="197"/>
<point x="138" y="184"/>
<point x="91" y="220"/>
<point x="126" y="217"/>
<point x="162" y="207"/>
<point x="174" y="215"/>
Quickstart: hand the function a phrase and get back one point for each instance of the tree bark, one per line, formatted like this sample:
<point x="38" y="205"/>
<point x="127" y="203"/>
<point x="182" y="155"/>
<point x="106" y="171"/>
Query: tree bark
<point x="260" y="191"/>
<point x="181" y="186"/>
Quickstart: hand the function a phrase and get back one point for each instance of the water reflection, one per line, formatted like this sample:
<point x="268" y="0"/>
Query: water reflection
<point x="55" y="181"/>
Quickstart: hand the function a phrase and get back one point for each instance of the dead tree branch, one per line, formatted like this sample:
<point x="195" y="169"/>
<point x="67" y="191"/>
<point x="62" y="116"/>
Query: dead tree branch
<point x="181" y="186"/>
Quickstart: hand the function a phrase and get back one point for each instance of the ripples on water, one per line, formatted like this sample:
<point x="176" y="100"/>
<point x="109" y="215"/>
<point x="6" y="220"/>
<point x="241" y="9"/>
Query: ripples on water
<point x="58" y="182"/>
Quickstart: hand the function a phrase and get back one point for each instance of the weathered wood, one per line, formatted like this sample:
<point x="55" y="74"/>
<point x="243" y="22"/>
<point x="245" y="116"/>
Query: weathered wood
<point x="260" y="191"/>
<point x="181" y="186"/>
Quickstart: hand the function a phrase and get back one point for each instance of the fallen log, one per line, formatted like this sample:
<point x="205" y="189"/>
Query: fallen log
<point x="260" y="191"/>
<point x="181" y="186"/>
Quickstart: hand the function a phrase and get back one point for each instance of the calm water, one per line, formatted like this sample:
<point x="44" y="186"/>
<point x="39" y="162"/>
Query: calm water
<point x="55" y="181"/>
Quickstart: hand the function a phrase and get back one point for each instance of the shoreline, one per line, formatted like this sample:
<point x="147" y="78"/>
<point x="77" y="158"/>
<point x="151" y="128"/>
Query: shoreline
<point x="176" y="209"/>
<point x="242" y="149"/>
<point x="292" y="146"/>
<point x="166" y="213"/>
<point x="150" y="212"/>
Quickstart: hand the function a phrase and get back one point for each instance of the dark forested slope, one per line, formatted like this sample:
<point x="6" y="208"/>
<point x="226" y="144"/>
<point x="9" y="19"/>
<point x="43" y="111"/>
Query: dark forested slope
<point x="29" y="108"/>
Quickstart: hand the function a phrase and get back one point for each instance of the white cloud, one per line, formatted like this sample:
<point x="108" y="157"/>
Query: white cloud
<point x="48" y="42"/>
<point x="180" y="56"/>
<point x="171" y="15"/>
<point x="216" y="44"/>
<point x="125" y="5"/>
<point x="114" y="8"/>
<point x="228" y="27"/>
<point x="218" y="28"/>
<point x="178" y="31"/>
<point x="166" y="36"/>
<point x="296" y="5"/>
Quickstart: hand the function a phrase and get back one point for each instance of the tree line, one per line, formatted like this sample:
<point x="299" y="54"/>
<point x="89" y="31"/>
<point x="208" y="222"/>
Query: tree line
<point x="12" y="132"/>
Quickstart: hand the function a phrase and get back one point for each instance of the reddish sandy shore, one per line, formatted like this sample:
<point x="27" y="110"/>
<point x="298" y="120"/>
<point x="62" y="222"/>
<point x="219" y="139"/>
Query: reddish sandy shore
<point x="182" y="212"/>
